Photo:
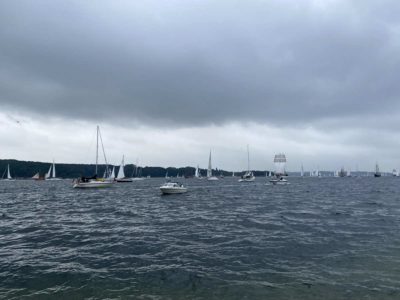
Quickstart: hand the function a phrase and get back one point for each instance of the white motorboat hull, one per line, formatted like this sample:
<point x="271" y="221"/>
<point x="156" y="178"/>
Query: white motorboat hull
<point x="93" y="184"/>
<point x="212" y="178"/>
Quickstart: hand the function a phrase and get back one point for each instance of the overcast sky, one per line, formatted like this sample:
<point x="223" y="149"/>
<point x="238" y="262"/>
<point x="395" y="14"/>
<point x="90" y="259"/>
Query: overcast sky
<point x="169" y="80"/>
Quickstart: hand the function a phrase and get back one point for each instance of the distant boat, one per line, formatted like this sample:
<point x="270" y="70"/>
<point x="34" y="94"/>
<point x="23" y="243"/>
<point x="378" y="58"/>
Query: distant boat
<point x="8" y="178"/>
<point x="173" y="188"/>
<point x="209" y="170"/>
<point x="342" y="173"/>
<point x="37" y="177"/>
<point x="248" y="176"/>
<point x="137" y="172"/>
<point x="395" y="173"/>
<point x="377" y="172"/>
<point x="94" y="182"/>
<point x="279" y="181"/>
<point x="233" y="174"/>
<point x="121" y="174"/>
<point x="280" y="172"/>
<point x="302" y="171"/>
<point x="197" y="173"/>
<point x="52" y="175"/>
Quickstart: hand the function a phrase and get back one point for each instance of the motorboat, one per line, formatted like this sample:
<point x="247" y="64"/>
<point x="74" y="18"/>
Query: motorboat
<point x="173" y="188"/>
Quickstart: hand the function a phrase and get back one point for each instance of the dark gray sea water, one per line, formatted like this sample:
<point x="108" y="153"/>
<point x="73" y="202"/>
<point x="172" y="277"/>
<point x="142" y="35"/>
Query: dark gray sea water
<point x="317" y="238"/>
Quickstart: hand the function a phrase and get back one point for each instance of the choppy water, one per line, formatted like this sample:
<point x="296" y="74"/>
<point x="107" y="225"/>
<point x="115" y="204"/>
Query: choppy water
<point x="328" y="238"/>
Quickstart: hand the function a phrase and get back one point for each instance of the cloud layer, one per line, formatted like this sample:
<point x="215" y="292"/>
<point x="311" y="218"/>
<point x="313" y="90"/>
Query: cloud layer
<point x="201" y="62"/>
<point x="315" y="78"/>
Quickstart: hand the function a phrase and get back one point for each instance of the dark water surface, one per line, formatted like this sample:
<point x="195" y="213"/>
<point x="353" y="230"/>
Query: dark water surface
<point x="328" y="238"/>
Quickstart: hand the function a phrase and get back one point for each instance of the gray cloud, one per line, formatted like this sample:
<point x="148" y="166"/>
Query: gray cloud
<point x="197" y="62"/>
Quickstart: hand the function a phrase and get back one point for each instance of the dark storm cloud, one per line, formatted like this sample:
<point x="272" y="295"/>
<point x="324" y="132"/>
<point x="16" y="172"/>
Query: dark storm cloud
<point x="196" y="62"/>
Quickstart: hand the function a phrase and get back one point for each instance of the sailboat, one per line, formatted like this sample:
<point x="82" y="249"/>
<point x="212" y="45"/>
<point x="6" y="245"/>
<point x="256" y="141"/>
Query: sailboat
<point x="233" y="174"/>
<point x="52" y="175"/>
<point x="197" y="173"/>
<point x="121" y="174"/>
<point x="248" y="176"/>
<point x="137" y="172"/>
<point x="377" y="172"/>
<point x="8" y="178"/>
<point x="302" y="171"/>
<point x="209" y="170"/>
<point x="37" y="176"/>
<point x="94" y="182"/>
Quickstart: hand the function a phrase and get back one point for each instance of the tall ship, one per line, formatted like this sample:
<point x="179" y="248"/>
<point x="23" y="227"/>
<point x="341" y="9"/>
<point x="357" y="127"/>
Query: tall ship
<point x="280" y="172"/>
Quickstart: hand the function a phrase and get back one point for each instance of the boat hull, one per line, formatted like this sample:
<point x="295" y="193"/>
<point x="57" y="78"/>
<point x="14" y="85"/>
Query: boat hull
<point x="92" y="184"/>
<point x="123" y="180"/>
<point x="212" y="178"/>
<point x="247" y="179"/>
<point x="170" y="191"/>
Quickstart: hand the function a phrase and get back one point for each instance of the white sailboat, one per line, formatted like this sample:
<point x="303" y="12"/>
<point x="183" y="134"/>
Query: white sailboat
<point x="52" y="175"/>
<point x="377" y="172"/>
<point x="248" y="176"/>
<point x="137" y="173"/>
<point x="8" y="178"/>
<point x="209" y="170"/>
<point x="121" y="174"/>
<point x="197" y="173"/>
<point x="302" y="171"/>
<point x="94" y="182"/>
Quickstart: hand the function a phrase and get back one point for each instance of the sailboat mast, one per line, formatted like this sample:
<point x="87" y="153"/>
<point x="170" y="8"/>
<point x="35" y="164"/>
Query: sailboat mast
<point x="54" y="169"/>
<point x="248" y="159"/>
<point x="97" y="147"/>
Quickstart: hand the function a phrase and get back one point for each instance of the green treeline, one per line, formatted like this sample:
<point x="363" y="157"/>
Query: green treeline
<point x="26" y="169"/>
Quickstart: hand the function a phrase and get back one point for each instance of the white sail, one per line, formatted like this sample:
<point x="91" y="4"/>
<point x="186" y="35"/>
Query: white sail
<point x="36" y="176"/>
<point x="233" y="174"/>
<point x="8" y="172"/>
<point x="302" y="171"/>
<point x="209" y="170"/>
<point x="197" y="173"/>
<point x="54" y="170"/>
<point x="112" y="173"/>
<point x="121" y="173"/>
<point x="48" y="174"/>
